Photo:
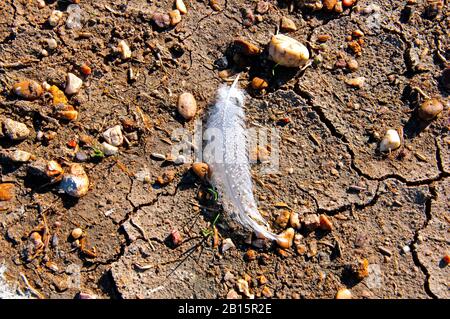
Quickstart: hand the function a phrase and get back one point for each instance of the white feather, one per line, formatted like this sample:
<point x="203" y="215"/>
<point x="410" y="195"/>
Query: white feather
<point x="227" y="156"/>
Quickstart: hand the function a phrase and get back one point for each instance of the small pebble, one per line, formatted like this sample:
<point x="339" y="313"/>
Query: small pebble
<point x="16" y="131"/>
<point x="81" y="156"/>
<point x="329" y="4"/>
<point x="294" y="220"/>
<point x="242" y="286"/>
<point x="339" y="8"/>
<point x="232" y="294"/>
<point x="158" y="156"/>
<point x="74" y="17"/>
<point x="124" y="50"/>
<point x="227" y="244"/>
<point x="246" y="47"/>
<point x="41" y="4"/>
<point x="352" y="65"/>
<point x="52" y="44"/>
<point x="288" y="25"/>
<point x="85" y="69"/>
<point x="113" y="136"/>
<point x="6" y="191"/>
<point x="348" y="3"/>
<point x="357" y="82"/>
<point x="166" y="177"/>
<point x="391" y="141"/>
<point x="109" y="149"/>
<point x="430" y="109"/>
<point x="283" y="218"/>
<point x="54" y="18"/>
<point x="75" y="181"/>
<point x="181" y="6"/>
<point x="187" y="106"/>
<point x="175" y="238"/>
<point x="325" y="223"/>
<point x="259" y="84"/>
<point x="250" y="255"/>
<point x="344" y="294"/>
<point x="162" y="20"/>
<point x="287" y="51"/>
<point x="406" y="249"/>
<point x="28" y="90"/>
<point x="175" y="17"/>
<point x="267" y="292"/>
<point x="73" y="84"/>
<point x="323" y="37"/>
<point x="20" y="156"/>
<point x="76" y="233"/>
<point x="312" y="222"/>
<point x="285" y="239"/>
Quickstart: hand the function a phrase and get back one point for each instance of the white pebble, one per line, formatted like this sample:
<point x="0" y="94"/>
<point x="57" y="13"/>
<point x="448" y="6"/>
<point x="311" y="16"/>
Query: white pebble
<point x="109" y="149"/>
<point x="16" y="131"/>
<point x="20" y="156"/>
<point x="181" y="6"/>
<point x="73" y="84"/>
<point x="51" y="43"/>
<point x="406" y="249"/>
<point x="114" y="136"/>
<point x="227" y="244"/>
<point x="41" y="4"/>
<point x="390" y="141"/>
<point x="54" y="18"/>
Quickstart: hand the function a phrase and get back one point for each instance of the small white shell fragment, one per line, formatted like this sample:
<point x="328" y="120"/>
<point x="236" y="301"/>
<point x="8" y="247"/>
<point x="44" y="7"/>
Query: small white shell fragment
<point x="54" y="18"/>
<point x="287" y="51"/>
<point x="227" y="244"/>
<point x="109" y="149"/>
<point x="20" y="156"/>
<point x="16" y="131"/>
<point x="113" y="136"/>
<point x="73" y="84"/>
<point x="390" y="141"/>
<point x="124" y="50"/>
<point x="357" y="82"/>
<point x="75" y="181"/>
<point x="181" y="6"/>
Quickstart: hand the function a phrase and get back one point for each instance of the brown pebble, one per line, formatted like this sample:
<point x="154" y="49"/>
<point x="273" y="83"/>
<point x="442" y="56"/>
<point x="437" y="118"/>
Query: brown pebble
<point x="285" y="239"/>
<point x="329" y="4"/>
<point x="259" y="84"/>
<point x="166" y="177"/>
<point x="288" y="25"/>
<point x="248" y="17"/>
<point x="162" y="20"/>
<point x="340" y="64"/>
<point x="175" y="17"/>
<point x="267" y="292"/>
<point x="201" y="170"/>
<point x="250" y="255"/>
<point x="283" y="218"/>
<point x="187" y="106"/>
<point x="429" y="109"/>
<point x="323" y="37"/>
<point x="343" y="294"/>
<point x="352" y="65"/>
<point x="215" y="5"/>
<point x="312" y="222"/>
<point x="246" y="48"/>
<point x="325" y="223"/>
<point x="28" y="90"/>
<point x="6" y="191"/>
<point x="176" y="238"/>
<point x="262" y="280"/>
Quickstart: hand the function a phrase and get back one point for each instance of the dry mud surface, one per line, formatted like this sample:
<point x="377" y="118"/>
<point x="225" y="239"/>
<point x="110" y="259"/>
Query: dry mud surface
<point x="329" y="163"/>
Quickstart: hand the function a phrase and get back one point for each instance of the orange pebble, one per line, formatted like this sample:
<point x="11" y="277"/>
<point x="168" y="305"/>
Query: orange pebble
<point x="86" y="69"/>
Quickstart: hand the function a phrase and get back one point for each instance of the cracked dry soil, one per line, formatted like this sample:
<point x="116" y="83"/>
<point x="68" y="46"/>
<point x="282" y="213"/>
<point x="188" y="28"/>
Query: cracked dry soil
<point x="328" y="159"/>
